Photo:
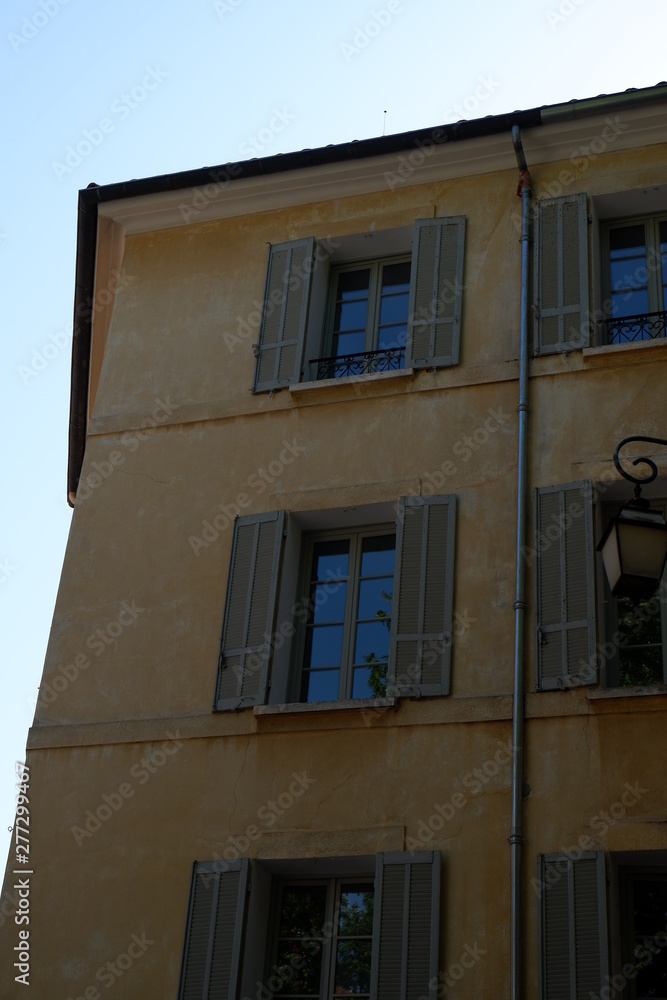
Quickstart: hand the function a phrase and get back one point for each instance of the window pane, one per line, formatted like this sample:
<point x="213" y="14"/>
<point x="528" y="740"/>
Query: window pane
<point x="629" y="303"/>
<point x="353" y="968"/>
<point x="650" y="917"/>
<point x="626" y="241"/>
<point x="396" y="276"/>
<point x="356" y="910"/>
<point x="375" y="598"/>
<point x="392" y="336"/>
<point x="377" y="555"/>
<point x="302" y="911"/>
<point x="324" y="645"/>
<point x="320" y="685"/>
<point x="370" y="681"/>
<point x="640" y="642"/>
<point x="352" y="283"/>
<point x="298" y="969"/>
<point x="348" y="343"/>
<point x="394" y="308"/>
<point x="372" y="642"/>
<point x="628" y="274"/>
<point x="330" y="560"/>
<point x="328" y="602"/>
<point x="351" y="315"/>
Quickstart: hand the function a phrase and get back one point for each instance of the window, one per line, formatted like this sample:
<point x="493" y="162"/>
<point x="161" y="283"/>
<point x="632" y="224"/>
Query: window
<point x="636" y="280"/>
<point x="577" y="904"/>
<point x="353" y="613"/>
<point x="324" y="932"/>
<point x="385" y="312"/>
<point x="368" y="319"/>
<point x="346" y="635"/>
<point x="629" y="646"/>
<point x="317" y="933"/>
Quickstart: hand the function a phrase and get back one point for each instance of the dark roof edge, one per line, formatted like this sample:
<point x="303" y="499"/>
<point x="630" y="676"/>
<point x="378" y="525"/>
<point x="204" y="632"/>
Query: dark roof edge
<point x="94" y="195"/>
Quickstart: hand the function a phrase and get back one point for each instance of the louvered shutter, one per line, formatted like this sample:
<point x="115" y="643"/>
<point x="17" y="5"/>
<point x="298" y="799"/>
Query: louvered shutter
<point x="213" y="935"/>
<point x="565" y="588"/>
<point x="252" y="586"/>
<point x="436" y="289"/>
<point x="284" y="313"/>
<point x="561" y="274"/>
<point x="421" y="639"/>
<point x="572" y="927"/>
<point x="406" y="916"/>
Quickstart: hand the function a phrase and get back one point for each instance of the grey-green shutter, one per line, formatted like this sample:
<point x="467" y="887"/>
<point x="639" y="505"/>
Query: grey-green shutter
<point x="252" y="586"/>
<point x="214" y="930"/>
<point x="406" y="930"/>
<point x="279" y="351"/>
<point x="561" y="274"/>
<point x="572" y="927"/>
<point x="421" y="637"/>
<point x="564" y="586"/>
<point x="436" y="291"/>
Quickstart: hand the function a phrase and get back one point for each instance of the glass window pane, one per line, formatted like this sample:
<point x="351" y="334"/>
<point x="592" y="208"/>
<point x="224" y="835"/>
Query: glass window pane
<point x="372" y="642"/>
<point x="348" y="343"/>
<point x="394" y="308"/>
<point x="375" y="598"/>
<point x="330" y="560"/>
<point x="351" y="315"/>
<point x="328" y="602"/>
<point x="629" y="303"/>
<point x="370" y="682"/>
<point x="324" y="644"/>
<point x="298" y="969"/>
<point x="396" y="275"/>
<point x="392" y="336"/>
<point x="356" y="910"/>
<point x="625" y="240"/>
<point x="650" y="917"/>
<point x="302" y="910"/>
<point x="377" y="555"/>
<point x="353" y="968"/>
<point x="351" y="283"/>
<point x="627" y="274"/>
<point x="319" y="685"/>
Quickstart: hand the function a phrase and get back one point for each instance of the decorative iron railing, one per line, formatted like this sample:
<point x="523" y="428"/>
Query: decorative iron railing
<point x="626" y="329"/>
<point x="362" y="363"/>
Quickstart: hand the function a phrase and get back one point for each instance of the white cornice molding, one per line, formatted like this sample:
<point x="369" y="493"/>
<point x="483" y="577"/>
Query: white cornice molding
<point x="643" y="126"/>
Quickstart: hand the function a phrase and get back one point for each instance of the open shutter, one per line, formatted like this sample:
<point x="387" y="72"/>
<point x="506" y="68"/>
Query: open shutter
<point x="406" y="926"/>
<point x="436" y="287"/>
<point x="421" y="639"/>
<point x="250" y="606"/>
<point x="284" y="312"/>
<point x="573" y="926"/>
<point x="212" y="951"/>
<point x="561" y="274"/>
<point x="565" y="586"/>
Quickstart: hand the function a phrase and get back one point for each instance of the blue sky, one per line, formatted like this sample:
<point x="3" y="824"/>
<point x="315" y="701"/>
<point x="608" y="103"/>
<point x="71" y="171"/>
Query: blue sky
<point x="152" y="87"/>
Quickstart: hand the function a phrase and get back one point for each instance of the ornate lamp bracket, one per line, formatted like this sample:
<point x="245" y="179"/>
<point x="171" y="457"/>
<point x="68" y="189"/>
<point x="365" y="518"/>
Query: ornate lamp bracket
<point x="639" y="481"/>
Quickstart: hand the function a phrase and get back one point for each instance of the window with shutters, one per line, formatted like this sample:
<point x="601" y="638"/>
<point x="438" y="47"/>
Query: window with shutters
<point x="583" y="634"/>
<point x="329" y="312"/>
<point x="360" y="926"/>
<point x="359" y="611"/>
<point x="635" y="280"/>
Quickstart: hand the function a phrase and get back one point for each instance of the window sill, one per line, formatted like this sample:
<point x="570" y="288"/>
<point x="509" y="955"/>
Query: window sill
<point x="351" y="380"/>
<point x="308" y="707"/>
<point x="591" y="354"/>
<point x="599" y="694"/>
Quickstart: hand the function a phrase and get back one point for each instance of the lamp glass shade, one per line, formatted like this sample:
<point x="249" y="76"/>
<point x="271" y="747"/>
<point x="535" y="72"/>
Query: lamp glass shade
<point x="634" y="551"/>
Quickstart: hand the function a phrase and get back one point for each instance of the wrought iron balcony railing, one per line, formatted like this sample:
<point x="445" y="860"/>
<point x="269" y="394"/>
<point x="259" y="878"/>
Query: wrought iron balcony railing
<point x="362" y="363"/>
<point x="626" y="329"/>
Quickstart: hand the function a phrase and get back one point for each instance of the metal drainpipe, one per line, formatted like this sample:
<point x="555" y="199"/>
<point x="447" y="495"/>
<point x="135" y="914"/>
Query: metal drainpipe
<point x="516" y="839"/>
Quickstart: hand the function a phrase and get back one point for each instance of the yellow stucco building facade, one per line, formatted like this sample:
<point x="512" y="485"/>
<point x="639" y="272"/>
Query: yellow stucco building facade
<point x="275" y="746"/>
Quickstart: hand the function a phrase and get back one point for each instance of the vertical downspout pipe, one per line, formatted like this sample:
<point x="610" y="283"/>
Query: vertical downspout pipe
<point x="516" y="838"/>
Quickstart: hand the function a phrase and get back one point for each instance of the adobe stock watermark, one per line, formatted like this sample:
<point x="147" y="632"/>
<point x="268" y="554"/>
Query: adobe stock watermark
<point x="255" y="144"/>
<point x="236" y="846"/>
<point x="224" y="7"/>
<point x="365" y="33"/>
<point x="130" y="440"/>
<point x="150" y="764"/>
<point x="7" y="569"/>
<point x="565" y="9"/>
<point x="111" y="971"/>
<point x="98" y="642"/>
<point x="121" y="108"/>
<point x="474" y="781"/>
<point x="258" y="482"/>
<point x="468" y="958"/>
<point x="35" y="22"/>
<point x="599" y="824"/>
<point x="485" y="87"/>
